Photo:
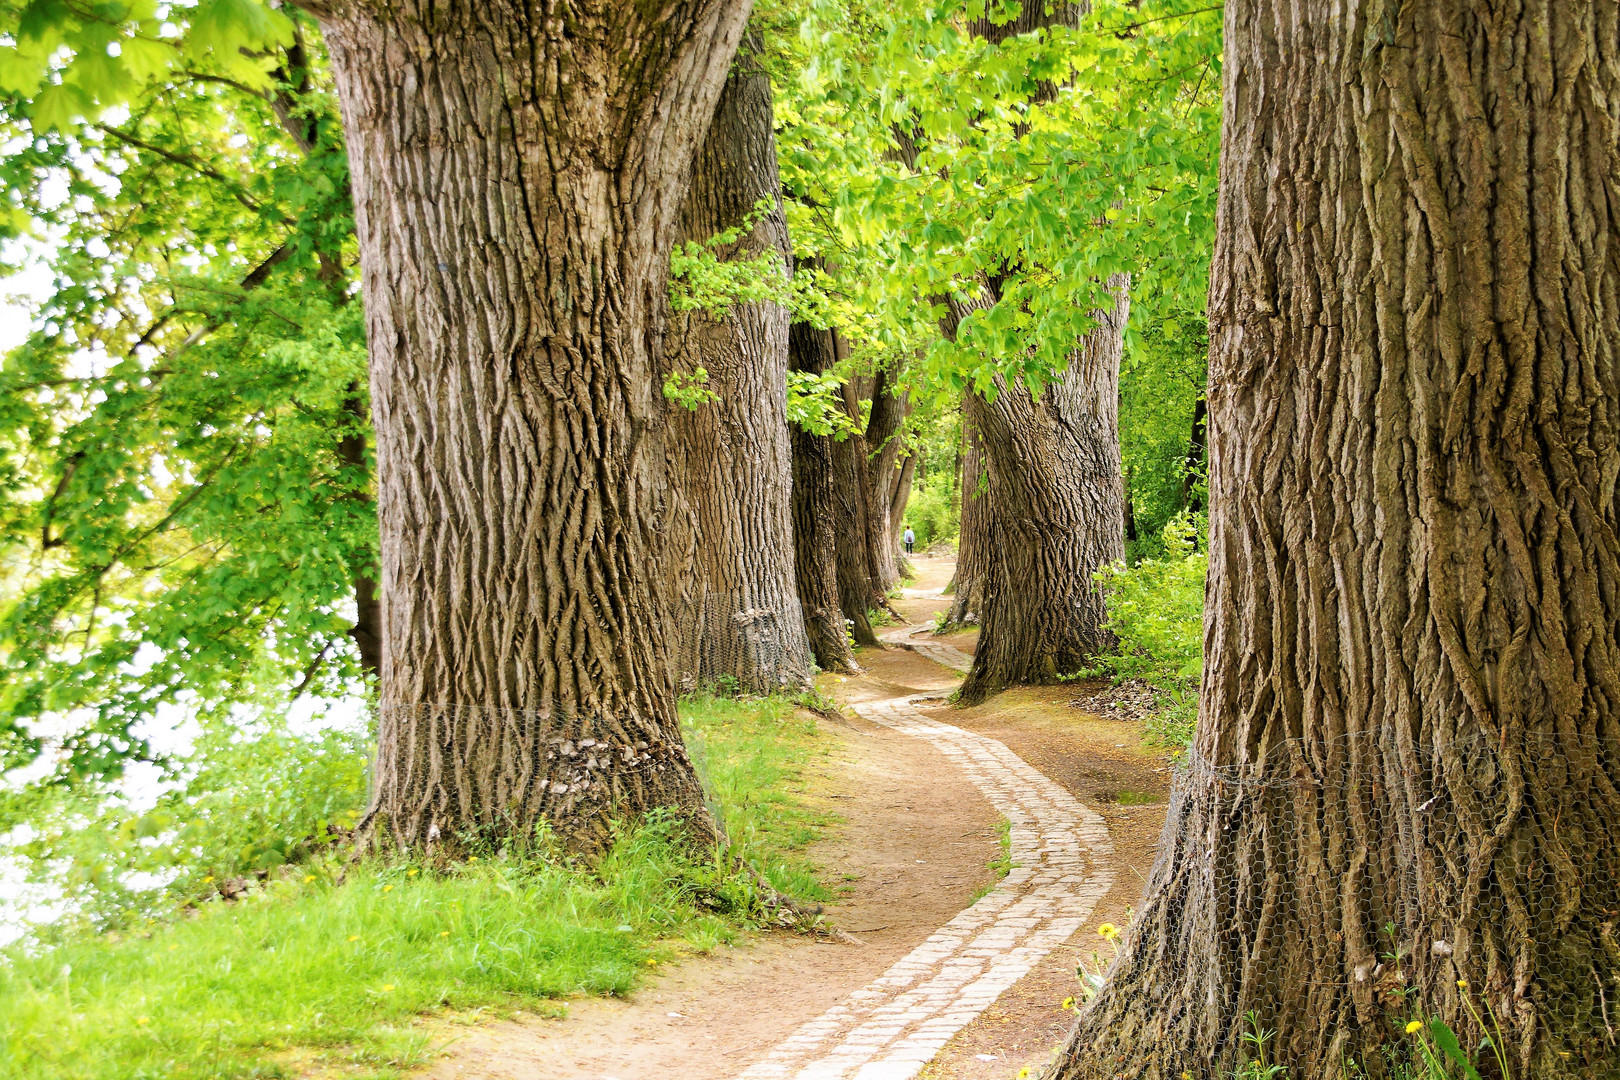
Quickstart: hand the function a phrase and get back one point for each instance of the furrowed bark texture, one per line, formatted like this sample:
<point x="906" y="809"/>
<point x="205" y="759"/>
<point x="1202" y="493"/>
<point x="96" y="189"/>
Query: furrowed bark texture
<point x="883" y="445"/>
<point x="814" y="519"/>
<point x="732" y="554"/>
<point x="1056" y="514"/>
<point x="518" y="171"/>
<point x="973" y="543"/>
<point x="1410" y="692"/>
<point x="856" y="567"/>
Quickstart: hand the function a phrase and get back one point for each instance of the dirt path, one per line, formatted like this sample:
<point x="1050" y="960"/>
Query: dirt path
<point x="972" y="987"/>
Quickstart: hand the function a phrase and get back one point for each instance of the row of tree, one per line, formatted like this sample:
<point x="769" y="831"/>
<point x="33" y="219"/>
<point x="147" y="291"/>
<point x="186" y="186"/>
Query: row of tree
<point x="1407" y="773"/>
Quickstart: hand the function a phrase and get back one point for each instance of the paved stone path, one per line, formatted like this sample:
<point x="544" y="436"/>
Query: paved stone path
<point x="890" y="1028"/>
<point x="937" y="651"/>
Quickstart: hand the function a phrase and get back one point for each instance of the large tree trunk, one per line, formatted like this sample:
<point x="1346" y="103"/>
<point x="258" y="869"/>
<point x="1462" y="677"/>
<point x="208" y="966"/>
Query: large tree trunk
<point x="856" y="572"/>
<point x="517" y="176"/>
<point x="815" y="524"/>
<point x="973" y="537"/>
<point x="900" y="494"/>
<point x="1409" y="739"/>
<point x="732" y="554"/>
<point x="884" y="439"/>
<point x="1056" y="514"/>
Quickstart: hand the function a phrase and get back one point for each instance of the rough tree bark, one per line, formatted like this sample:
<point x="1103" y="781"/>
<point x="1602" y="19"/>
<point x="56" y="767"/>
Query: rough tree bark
<point x="883" y="443"/>
<point x="731" y="544"/>
<point x="517" y="175"/>
<point x="900" y="494"/>
<point x="1055" y="514"/>
<point x="815" y="522"/>
<point x="973" y="538"/>
<point x="857" y="573"/>
<point x="1411" y="711"/>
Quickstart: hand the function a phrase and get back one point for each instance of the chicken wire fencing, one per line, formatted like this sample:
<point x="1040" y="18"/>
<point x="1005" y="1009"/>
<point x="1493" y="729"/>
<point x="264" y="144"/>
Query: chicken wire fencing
<point x="1361" y="900"/>
<point x="731" y="642"/>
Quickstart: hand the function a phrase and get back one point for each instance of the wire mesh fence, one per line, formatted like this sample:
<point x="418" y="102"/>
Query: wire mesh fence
<point x="1381" y="905"/>
<point x="739" y="641"/>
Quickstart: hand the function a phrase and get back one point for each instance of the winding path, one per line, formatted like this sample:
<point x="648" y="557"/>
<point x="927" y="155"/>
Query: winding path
<point x="1062" y="866"/>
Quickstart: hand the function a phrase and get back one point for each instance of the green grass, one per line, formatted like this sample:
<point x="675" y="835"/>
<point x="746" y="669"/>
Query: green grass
<point x="1002" y="864"/>
<point x="249" y="989"/>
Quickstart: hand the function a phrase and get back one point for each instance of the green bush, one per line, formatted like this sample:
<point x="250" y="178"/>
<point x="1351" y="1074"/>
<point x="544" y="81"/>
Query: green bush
<point x="246" y="804"/>
<point x="934" y="513"/>
<point x="1156" y="609"/>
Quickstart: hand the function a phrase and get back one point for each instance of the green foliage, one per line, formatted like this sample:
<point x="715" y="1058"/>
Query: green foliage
<point x="934" y="513"/>
<point x="247" y="804"/>
<point x="338" y="959"/>
<point x="1156" y="609"/>
<point x="184" y="474"/>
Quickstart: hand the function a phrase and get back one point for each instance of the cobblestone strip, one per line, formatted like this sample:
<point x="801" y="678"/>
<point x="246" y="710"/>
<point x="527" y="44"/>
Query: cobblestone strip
<point x="937" y="651"/>
<point x="890" y="1028"/>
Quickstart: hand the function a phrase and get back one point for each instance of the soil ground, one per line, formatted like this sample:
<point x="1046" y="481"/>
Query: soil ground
<point x="911" y="852"/>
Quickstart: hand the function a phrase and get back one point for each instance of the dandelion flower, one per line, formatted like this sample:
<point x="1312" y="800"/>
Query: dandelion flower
<point x="651" y="962"/>
<point x="1108" y="931"/>
<point x="354" y="937"/>
<point x="388" y="888"/>
<point x="1413" y="1026"/>
<point x="444" y="933"/>
<point x="387" y="987"/>
<point x="1462" y="984"/>
<point x="411" y="872"/>
<point x="207" y="879"/>
<point x="143" y="1020"/>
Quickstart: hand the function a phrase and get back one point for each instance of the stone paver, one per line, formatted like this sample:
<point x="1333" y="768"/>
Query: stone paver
<point x="937" y="651"/>
<point x="890" y="1028"/>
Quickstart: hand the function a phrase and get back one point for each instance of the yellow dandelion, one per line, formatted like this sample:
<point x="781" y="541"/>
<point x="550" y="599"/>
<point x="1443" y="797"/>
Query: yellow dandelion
<point x="1068" y="1003"/>
<point x="472" y="858"/>
<point x="173" y="947"/>
<point x="411" y="872"/>
<point x="1185" y="1075"/>
<point x="1413" y="1026"/>
<point x="387" y="987"/>
<point x="308" y="878"/>
<point x="444" y="933"/>
<point x="1108" y="931"/>
<point x="388" y="888"/>
<point x="354" y="937"/>
<point x="207" y="879"/>
<point x="651" y="962"/>
<point x="1462" y="984"/>
<point x="143" y="1020"/>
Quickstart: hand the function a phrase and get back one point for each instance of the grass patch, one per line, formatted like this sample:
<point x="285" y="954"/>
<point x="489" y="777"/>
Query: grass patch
<point x="305" y="970"/>
<point x="1002" y="864"/>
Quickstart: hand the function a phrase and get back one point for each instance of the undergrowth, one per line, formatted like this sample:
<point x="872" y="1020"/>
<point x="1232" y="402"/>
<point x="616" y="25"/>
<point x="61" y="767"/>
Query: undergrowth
<point x="1156" y="609"/>
<point x="316" y="959"/>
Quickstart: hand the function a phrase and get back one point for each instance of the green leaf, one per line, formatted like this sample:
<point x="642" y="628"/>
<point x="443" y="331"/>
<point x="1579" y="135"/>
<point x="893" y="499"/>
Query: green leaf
<point x="1446" y="1040"/>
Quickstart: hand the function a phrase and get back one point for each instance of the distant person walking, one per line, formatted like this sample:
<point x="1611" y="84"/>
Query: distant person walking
<point x="910" y="538"/>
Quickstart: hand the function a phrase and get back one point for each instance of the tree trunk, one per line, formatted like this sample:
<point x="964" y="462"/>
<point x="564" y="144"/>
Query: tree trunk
<point x="815" y="524"/>
<point x="1057" y="515"/>
<point x="1409" y="738"/>
<point x="516" y="179"/>
<point x="732" y="553"/>
<point x="884" y="441"/>
<point x="1195" y="455"/>
<point x="900" y="495"/>
<point x="973" y="539"/>
<point x="854" y="537"/>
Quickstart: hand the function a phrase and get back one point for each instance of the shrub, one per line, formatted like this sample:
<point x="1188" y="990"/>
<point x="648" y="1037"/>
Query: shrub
<point x="1156" y="609"/>
<point x="934" y="514"/>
